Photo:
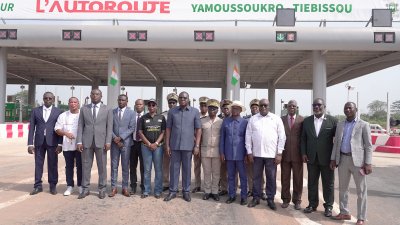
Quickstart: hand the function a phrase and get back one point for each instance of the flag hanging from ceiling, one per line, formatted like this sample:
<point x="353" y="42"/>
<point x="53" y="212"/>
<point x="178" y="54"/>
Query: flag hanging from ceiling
<point x="113" y="77"/>
<point x="235" y="76"/>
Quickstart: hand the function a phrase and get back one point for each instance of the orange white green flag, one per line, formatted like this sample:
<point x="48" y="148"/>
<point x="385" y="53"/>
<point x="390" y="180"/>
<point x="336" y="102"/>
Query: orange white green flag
<point x="114" y="77"/>
<point x="235" y="76"/>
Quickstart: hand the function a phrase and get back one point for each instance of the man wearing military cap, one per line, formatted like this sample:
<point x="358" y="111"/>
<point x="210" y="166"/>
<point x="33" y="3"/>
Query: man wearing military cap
<point x="197" y="159"/>
<point x="225" y="110"/>
<point x="172" y="99"/>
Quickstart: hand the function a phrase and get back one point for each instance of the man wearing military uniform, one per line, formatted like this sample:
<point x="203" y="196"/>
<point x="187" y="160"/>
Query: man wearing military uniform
<point x="225" y="112"/>
<point x="197" y="159"/>
<point x="172" y="99"/>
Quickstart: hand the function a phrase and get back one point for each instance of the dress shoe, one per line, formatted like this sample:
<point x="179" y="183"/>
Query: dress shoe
<point x="53" y="190"/>
<point x="310" y="209"/>
<point x="253" y="203"/>
<point x="102" y="194"/>
<point x="36" y="190"/>
<point x="165" y="189"/>
<point x="144" y="196"/>
<point x="360" y="222"/>
<point x="243" y="201"/>
<point x="206" y="196"/>
<point x="215" y="197"/>
<point x="157" y="196"/>
<point x="230" y="200"/>
<point x="83" y="194"/>
<point x="169" y="197"/>
<point x="249" y="194"/>
<point x="264" y="196"/>
<point x="341" y="216"/>
<point x="222" y="193"/>
<point x="196" y="189"/>
<point x="271" y="204"/>
<point x="186" y="196"/>
<point x="133" y="191"/>
<point x="297" y="206"/>
<point x="285" y="205"/>
<point x="328" y="212"/>
<point x="113" y="193"/>
<point x="125" y="192"/>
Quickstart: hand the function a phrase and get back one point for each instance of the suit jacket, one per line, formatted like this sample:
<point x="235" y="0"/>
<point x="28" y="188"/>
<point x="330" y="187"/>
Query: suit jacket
<point x="361" y="145"/>
<point x="292" y="145"/>
<point x="38" y="125"/>
<point x="311" y="145"/>
<point x="99" y="130"/>
<point x="125" y="127"/>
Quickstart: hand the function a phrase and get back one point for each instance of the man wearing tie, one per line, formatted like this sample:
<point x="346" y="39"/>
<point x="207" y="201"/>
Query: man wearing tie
<point x="123" y="127"/>
<point x="316" y="149"/>
<point x="94" y="138"/>
<point x="291" y="157"/>
<point x="43" y="139"/>
<point x="136" y="150"/>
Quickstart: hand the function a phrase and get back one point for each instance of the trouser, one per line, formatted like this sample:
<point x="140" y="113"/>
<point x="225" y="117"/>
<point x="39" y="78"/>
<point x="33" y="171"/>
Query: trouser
<point x="52" y="164"/>
<point x="116" y="154"/>
<point x="223" y="177"/>
<point x="327" y="176"/>
<point x="233" y="167"/>
<point x="287" y="168"/>
<point x="166" y="161"/>
<point x="267" y="164"/>
<point x="250" y="176"/>
<point x="72" y="159"/>
<point x="211" y="170"/>
<point x="197" y="170"/>
<point x="135" y="158"/>
<point x="87" y="163"/>
<point x="178" y="158"/>
<point x="149" y="158"/>
<point x="346" y="168"/>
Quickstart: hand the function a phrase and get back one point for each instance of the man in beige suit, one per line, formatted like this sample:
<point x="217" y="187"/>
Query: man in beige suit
<point x="352" y="154"/>
<point x="291" y="157"/>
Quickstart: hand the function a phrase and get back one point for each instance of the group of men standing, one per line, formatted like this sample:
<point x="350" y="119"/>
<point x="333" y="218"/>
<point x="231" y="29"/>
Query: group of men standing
<point x="231" y="149"/>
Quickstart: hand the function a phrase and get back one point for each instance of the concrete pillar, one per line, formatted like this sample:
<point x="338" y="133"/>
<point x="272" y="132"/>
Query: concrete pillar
<point x="319" y="75"/>
<point x="233" y="61"/>
<point x="3" y="83"/>
<point x="271" y="96"/>
<point x="114" y="77"/>
<point x="159" y="95"/>
<point x="223" y="89"/>
<point x="32" y="92"/>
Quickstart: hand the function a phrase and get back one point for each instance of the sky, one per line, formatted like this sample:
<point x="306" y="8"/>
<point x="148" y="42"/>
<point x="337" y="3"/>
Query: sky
<point x="370" y="87"/>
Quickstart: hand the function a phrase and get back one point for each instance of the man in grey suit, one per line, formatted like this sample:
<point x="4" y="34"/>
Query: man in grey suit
<point x="352" y="153"/>
<point x="123" y="127"/>
<point x="94" y="138"/>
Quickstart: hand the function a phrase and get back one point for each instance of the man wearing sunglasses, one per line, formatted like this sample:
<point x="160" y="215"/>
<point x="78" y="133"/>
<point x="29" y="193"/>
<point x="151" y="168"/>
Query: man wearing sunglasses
<point x="316" y="149"/>
<point x="172" y="100"/>
<point x="43" y="139"/>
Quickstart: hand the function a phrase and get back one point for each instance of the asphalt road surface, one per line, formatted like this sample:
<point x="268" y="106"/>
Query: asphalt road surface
<point x="18" y="207"/>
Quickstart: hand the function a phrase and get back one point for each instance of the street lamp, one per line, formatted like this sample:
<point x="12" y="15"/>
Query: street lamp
<point x="123" y="90"/>
<point x="348" y="87"/>
<point x="72" y="90"/>
<point x="21" y="99"/>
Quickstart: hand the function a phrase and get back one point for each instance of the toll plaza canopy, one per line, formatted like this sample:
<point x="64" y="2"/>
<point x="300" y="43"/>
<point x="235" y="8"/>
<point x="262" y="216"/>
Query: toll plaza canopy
<point x="196" y="43"/>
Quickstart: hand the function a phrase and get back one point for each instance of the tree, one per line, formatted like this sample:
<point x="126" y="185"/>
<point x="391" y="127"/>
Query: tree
<point x="376" y="107"/>
<point x="24" y="95"/>
<point x="395" y="107"/>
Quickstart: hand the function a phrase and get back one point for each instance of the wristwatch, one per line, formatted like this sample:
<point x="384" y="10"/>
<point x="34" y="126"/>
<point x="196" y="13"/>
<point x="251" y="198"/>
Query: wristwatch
<point x="156" y="143"/>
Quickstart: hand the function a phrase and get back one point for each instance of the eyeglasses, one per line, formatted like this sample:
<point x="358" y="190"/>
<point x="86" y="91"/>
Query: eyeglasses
<point x="47" y="98"/>
<point x="263" y="105"/>
<point x="317" y="105"/>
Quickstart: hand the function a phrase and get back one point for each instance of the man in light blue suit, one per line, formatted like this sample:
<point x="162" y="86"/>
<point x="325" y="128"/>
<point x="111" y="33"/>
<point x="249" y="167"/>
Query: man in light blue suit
<point x="123" y="127"/>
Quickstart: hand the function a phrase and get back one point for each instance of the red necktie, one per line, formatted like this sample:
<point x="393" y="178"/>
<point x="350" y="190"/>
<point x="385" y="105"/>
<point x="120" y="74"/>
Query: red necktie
<point x="291" y="122"/>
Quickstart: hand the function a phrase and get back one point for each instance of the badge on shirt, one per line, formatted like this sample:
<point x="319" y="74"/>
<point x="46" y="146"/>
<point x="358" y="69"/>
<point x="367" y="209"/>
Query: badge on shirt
<point x="159" y="120"/>
<point x="147" y="121"/>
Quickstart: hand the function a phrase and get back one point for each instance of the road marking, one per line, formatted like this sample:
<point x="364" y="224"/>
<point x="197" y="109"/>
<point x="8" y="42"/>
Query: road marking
<point x="14" y="201"/>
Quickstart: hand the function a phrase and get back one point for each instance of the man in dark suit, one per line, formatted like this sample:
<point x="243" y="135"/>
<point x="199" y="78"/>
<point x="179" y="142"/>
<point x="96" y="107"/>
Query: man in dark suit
<point x="291" y="157"/>
<point x="136" y="151"/>
<point x="41" y="139"/>
<point x="94" y="138"/>
<point x="316" y="149"/>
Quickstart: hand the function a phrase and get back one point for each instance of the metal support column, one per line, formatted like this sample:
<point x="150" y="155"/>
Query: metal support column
<point x="3" y="82"/>
<point x="271" y="96"/>
<point x="114" y="77"/>
<point x="159" y="95"/>
<point x="319" y="75"/>
<point x="233" y="61"/>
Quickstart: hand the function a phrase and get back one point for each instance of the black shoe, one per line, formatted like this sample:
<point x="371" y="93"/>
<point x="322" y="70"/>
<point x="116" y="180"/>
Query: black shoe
<point x="222" y="193"/>
<point x="249" y="194"/>
<point x="83" y="194"/>
<point x="169" y="197"/>
<point x="157" y="196"/>
<point x="264" y="196"/>
<point x="243" y="201"/>
<point x="253" y="203"/>
<point x="215" y="197"/>
<point x="310" y="209"/>
<point x="102" y="194"/>
<point x="165" y="189"/>
<point x="230" y="200"/>
<point x="328" y="212"/>
<point x="206" y="196"/>
<point x="133" y="191"/>
<point x="53" y="190"/>
<point x="297" y="206"/>
<point x="271" y="204"/>
<point x="285" y="205"/>
<point x="36" y="191"/>
<point x="186" y="196"/>
<point x="196" y="189"/>
<point x="144" y="196"/>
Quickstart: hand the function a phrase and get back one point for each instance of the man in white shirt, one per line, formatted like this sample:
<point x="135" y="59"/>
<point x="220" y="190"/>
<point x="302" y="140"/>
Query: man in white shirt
<point x="265" y="141"/>
<point x="67" y="126"/>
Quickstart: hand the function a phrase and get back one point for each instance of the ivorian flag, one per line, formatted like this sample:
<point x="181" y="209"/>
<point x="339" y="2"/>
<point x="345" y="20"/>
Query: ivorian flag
<point x="113" y="77"/>
<point x="235" y="76"/>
